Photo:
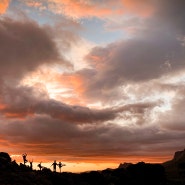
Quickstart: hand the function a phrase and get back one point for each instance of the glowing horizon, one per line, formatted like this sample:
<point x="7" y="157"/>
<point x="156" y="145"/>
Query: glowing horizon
<point x="83" y="166"/>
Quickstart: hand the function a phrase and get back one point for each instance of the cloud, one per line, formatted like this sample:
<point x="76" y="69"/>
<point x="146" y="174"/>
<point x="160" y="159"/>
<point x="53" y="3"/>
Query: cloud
<point x="143" y="8"/>
<point x="172" y="14"/>
<point x="173" y="119"/>
<point x="21" y="102"/>
<point x="26" y="112"/>
<point x="80" y="8"/>
<point x="136" y="59"/>
<point x="24" y="101"/>
<point x="3" y="6"/>
<point x="143" y="114"/>
<point x="152" y="52"/>
<point x="134" y="13"/>
<point x="63" y="139"/>
<point x="24" y="46"/>
<point x="101" y="9"/>
<point x="34" y="4"/>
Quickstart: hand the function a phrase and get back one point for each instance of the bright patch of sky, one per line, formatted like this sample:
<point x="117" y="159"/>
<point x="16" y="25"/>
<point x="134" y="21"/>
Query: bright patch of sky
<point x="94" y="29"/>
<point x="41" y="16"/>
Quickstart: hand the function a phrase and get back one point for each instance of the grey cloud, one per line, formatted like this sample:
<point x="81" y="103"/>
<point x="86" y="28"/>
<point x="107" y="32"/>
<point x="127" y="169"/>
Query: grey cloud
<point x="174" y="119"/>
<point x="156" y="50"/>
<point x="137" y="59"/>
<point x="23" y="101"/>
<point x="24" y="45"/>
<point x="133" y="61"/>
<point x="171" y="13"/>
<point x="56" y="137"/>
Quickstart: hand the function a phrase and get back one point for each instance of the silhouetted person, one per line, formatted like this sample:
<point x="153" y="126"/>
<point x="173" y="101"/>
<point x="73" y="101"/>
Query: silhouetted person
<point x="60" y="165"/>
<point x="54" y="165"/>
<point x="40" y="166"/>
<point x="24" y="158"/>
<point x="31" y="165"/>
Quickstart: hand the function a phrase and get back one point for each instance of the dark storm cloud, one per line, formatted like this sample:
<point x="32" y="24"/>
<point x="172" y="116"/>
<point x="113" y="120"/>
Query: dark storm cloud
<point x="52" y="136"/>
<point x="137" y="59"/>
<point x="171" y="13"/>
<point x="24" y="45"/>
<point x="22" y="101"/>
<point x="155" y="50"/>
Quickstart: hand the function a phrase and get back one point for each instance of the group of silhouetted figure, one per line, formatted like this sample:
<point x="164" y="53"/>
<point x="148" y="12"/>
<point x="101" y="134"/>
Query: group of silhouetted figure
<point x="54" y="164"/>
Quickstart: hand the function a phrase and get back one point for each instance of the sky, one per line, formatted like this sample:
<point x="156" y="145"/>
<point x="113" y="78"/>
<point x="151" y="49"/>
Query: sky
<point x="92" y="83"/>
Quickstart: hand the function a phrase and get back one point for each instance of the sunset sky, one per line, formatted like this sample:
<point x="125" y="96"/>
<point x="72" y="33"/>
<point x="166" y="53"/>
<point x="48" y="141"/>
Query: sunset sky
<point x="92" y="83"/>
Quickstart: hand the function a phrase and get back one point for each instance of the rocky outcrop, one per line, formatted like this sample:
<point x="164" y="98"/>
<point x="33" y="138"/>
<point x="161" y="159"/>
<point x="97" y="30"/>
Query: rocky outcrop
<point x="179" y="156"/>
<point x="124" y="165"/>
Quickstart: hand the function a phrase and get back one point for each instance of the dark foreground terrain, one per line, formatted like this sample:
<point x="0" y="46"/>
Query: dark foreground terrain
<point x="169" y="173"/>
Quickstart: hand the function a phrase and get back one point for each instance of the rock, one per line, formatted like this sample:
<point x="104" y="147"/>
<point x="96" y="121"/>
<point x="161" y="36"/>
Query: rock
<point x="124" y="165"/>
<point x="179" y="156"/>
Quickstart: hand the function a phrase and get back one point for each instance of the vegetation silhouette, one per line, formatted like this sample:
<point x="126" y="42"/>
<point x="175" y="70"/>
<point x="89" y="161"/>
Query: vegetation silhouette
<point x="168" y="173"/>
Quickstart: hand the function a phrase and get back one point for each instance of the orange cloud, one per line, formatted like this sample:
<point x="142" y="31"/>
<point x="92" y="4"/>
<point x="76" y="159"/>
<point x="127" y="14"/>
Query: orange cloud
<point x="78" y="9"/>
<point x="84" y="8"/>
<point x="67" y="88"/>
<point x="141" y="7"/>
<point x="3" y="6"/>
<point x="74" y="85"/>
<point x="34" y="4"/>
<point x="2" y="106"/>
<point x="19" y="114"/>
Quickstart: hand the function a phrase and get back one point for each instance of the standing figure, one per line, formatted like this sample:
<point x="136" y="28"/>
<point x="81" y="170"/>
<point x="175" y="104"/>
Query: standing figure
<point x="40" y="166"/>
<point x="31" y="164"/>
<point x="60" y="165"/>
<point x="24" y="158"/>
<point x="54" y="165"/>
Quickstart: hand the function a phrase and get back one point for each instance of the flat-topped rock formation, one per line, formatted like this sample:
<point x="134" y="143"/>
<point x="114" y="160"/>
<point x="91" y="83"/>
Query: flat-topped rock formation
<point x="179" y="156"/>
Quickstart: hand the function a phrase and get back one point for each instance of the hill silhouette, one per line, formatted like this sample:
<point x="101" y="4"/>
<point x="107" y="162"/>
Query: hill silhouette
<point x="168" y="173"/>
<point x="175" y="168"/>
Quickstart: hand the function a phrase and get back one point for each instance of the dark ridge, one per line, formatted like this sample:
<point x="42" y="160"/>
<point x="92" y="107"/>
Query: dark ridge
<point x="175" y="168"/>
<point x="168" y="173"/>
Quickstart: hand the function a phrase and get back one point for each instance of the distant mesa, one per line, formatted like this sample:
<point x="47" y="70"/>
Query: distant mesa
<point x="175" y="168"/>
<point x="179" y="156"/>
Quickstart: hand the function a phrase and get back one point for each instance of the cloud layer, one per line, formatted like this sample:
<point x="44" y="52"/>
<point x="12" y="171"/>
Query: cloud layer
<point x="24" y="46"/>
<point x="3" y="6"/>
<point x="127" y="100"/>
